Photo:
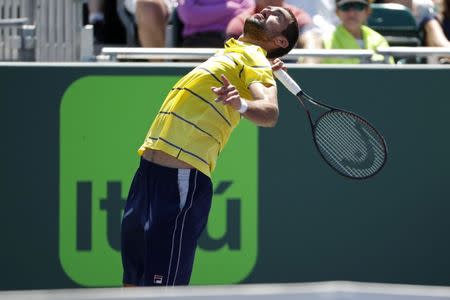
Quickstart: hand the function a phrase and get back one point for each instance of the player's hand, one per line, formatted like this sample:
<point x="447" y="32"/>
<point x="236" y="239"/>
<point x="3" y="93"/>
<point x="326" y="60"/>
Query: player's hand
<point x="277" y="64"/>
<point x="227" y="94"/>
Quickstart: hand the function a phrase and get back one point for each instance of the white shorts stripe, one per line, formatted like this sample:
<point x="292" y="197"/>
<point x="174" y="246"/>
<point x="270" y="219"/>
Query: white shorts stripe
<point x="182" y="226"/>
<point x="183" y="187"/>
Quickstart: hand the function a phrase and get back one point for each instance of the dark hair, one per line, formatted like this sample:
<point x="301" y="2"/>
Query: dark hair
<point x="291" y="34"/>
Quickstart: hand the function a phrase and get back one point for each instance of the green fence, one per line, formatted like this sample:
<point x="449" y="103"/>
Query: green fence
<point x="280" y="214"/>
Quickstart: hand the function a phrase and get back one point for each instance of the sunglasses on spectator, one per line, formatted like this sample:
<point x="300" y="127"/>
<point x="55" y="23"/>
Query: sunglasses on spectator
<point x="353" y="6"/>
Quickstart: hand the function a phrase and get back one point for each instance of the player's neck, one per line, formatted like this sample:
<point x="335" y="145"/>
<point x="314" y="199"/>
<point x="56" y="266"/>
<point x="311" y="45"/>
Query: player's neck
<point x="247" y="39"/>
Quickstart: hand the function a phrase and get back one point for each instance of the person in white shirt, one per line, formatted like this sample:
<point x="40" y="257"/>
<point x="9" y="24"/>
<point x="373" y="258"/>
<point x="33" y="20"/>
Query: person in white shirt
<point x="322" y="12"/>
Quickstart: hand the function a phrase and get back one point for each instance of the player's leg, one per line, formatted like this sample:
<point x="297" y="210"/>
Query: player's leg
<point x="179" y="209"/>
<point x="132" y="230"/>
<point x="193" y="222"/>
<point x="151" y="19"/>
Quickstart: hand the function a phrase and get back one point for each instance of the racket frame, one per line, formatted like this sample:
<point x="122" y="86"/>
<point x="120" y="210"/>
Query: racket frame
<point x="295" y="89"/>
<point x="302" y="96"/>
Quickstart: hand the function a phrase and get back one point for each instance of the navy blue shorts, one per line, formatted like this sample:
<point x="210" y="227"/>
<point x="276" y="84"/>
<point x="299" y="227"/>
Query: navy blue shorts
<point x="165" y="213"/>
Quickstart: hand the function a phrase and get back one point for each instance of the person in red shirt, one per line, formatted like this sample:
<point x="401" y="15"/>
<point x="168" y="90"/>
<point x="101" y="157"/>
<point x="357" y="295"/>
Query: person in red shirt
<point x="307" y="37"/>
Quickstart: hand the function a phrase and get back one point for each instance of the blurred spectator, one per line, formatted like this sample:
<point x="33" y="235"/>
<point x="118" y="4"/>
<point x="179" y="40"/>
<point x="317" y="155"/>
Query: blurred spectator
<point x="352" y="33"/>
<point x="444" y="18"/>
<point x="307" y="39"/>
<point x="151" y="17"/>
<point x="108" y="29"/>
<point x="96" y="17"/>
<point x="427" y="21"/>
<point x="96" y="13"/>
<point x="322" y="13"/>
<point x="205" y="21"/>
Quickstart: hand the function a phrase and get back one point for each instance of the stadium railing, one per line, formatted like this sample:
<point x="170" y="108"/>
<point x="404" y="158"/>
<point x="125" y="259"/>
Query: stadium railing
<point x="431" y="53"/>
<point x="16" y="31"/>
<point x="135" y="53"/>
<point x="60" y="34"/>
<point x="44" y="30"/>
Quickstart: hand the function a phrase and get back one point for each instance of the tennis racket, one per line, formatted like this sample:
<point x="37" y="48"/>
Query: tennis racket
<point x="346" y="141"/>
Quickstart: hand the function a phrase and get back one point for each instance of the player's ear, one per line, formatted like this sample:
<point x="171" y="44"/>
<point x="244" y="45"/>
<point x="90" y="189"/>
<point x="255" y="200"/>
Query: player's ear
<point x="281" y="41"/>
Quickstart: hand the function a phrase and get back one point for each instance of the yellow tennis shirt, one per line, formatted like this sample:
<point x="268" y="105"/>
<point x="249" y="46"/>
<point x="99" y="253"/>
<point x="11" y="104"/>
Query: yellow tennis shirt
<point x="190" y="125"/>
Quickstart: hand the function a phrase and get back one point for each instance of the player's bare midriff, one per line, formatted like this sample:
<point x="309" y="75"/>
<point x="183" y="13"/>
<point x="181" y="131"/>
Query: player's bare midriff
<point x="163" y="159"/>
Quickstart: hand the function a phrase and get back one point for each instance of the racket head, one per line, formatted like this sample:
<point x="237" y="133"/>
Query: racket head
<point x="349" y="144"/>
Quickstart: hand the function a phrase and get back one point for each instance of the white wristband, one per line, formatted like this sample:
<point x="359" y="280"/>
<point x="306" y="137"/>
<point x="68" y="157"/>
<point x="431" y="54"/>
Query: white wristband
<point x="244" y="106"/>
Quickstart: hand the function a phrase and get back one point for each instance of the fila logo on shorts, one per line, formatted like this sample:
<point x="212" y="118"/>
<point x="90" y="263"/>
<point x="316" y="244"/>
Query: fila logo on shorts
<point x="157" y="279"/>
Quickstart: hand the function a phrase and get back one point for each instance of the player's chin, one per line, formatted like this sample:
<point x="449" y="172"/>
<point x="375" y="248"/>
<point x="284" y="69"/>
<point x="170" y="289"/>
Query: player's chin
<point x="257" y="16"/>
<point x="253" y="22"/>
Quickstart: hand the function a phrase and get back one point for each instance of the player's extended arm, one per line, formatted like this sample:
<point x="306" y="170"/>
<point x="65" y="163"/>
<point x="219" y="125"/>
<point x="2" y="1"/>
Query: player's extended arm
<point x="263" y="110"/>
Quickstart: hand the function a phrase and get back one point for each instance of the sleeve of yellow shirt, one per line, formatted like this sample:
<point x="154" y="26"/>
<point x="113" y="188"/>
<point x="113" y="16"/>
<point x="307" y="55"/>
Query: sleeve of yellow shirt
<point x="257" y="69"/>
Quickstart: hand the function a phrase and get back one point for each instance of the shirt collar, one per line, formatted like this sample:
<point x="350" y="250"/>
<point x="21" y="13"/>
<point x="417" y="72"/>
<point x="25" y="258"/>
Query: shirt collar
<point x="233" y="43"/>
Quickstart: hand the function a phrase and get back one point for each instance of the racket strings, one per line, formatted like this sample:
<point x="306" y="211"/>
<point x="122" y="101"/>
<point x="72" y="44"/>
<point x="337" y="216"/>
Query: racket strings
<point x="346" y="147"/>
<point x="349" y="144"/>
<point x="371" y="135"/>
<point x="336" y="160"/>
<point x="346" y="142"/>
<point x="344" y="168"/>
<point x="349" y="156"/>
<point x="349" y="153"/>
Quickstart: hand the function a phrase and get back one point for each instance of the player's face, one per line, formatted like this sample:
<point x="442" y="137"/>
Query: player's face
<point x="268" y="23"/>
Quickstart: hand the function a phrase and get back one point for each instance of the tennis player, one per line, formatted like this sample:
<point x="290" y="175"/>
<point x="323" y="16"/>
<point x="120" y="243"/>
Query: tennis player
<point x="170" y="196"/>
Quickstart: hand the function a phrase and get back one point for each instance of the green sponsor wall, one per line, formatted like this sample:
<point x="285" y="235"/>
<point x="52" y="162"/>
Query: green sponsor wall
<point x="280" y="214"/>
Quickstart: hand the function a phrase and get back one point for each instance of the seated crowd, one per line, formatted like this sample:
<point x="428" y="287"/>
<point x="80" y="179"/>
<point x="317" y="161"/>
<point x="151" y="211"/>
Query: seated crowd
<point x="323" y="24"/>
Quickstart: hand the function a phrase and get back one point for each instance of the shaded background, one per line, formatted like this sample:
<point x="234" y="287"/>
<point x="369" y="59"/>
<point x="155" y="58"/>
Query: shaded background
<point x="314" y="224"/>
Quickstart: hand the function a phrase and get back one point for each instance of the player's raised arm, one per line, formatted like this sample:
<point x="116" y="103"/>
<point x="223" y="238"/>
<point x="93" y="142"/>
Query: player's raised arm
<point x="263" y="110"/>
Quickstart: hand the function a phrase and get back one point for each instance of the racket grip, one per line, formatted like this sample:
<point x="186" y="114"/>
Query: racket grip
<point x="287" y="81"/>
